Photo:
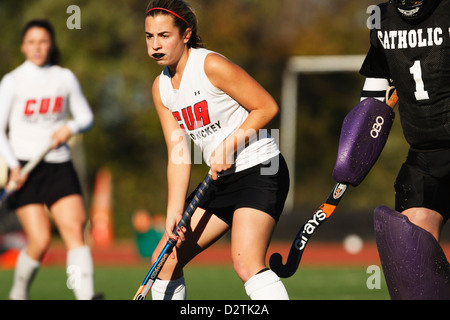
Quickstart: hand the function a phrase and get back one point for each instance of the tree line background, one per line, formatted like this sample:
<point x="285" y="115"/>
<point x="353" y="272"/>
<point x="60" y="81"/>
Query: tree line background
<point x="108" y="55"/>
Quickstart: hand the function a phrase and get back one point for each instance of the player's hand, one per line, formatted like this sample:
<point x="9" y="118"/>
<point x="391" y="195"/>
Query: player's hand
<point x="220" y="161"/>
<point x="60" y="136"/>
<point x="15" y="180"/>
<point x="171" y="223"/>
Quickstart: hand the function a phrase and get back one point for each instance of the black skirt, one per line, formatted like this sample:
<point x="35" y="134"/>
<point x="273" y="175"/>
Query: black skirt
<point x="263" y="187"/>
<point x="46" y="184"/>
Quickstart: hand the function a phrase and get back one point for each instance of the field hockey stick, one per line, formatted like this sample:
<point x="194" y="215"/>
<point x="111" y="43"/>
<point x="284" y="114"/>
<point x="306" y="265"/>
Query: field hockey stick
<point x="360" y="167"/>
<point x="325" y="210"/>
<point x="11" y="187"/>
<point x="153" y="273"/>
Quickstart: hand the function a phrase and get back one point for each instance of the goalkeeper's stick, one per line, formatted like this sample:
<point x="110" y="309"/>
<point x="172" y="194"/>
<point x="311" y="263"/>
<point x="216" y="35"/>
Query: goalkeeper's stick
<point x="318" y="218"/>
<point x="147" y="284"/>
<point x="306" y="231"/>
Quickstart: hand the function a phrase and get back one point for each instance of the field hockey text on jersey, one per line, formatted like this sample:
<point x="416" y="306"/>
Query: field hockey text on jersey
<point x="415" y="38"/>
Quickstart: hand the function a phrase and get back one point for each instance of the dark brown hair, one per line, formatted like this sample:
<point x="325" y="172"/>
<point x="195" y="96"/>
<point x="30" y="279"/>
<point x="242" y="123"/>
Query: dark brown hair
<point x="183" y="14"/>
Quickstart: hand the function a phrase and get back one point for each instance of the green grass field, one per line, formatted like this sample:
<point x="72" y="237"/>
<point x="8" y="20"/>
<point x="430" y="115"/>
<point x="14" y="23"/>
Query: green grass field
<point x="208" y="283"/>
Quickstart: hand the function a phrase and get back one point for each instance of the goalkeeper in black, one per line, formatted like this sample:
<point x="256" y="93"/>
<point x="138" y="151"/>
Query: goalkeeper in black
<point x="411" y="51"/>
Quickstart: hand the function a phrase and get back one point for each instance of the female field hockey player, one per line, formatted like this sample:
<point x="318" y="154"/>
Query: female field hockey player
<point x="222" y="109"/>
<point x="35" y="99"/>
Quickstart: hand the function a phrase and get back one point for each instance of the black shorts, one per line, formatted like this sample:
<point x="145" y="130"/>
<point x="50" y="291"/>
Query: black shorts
<point x="46" y="184"/>
<point x="424" y="181"/>
<point x="263" y="187"/>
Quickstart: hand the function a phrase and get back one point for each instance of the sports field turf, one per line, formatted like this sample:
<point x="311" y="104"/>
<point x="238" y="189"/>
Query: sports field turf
<point x="208" y="283"/>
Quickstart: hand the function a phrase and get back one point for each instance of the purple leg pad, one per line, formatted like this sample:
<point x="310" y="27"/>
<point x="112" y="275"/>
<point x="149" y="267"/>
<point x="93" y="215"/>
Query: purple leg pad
<point x="363" y="136"/>
<point x="414" y="264"/>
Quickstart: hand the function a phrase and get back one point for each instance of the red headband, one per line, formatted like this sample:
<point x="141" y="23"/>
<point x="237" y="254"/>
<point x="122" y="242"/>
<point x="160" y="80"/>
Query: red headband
<point x="167" y="10"/>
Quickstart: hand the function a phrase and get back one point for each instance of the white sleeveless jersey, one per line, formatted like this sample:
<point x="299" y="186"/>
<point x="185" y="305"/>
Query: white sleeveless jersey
<point x="34" y="102"/>
<point x="209" y="115"/>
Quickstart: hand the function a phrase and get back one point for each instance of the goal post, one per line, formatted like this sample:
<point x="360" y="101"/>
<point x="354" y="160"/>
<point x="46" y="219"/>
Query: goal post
<point x="289" y="101"/>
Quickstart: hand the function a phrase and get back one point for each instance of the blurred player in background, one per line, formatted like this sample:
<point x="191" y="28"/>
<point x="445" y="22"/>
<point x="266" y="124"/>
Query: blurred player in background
<point x="35" y="100"/>
<point x="221" y="108"/>
<point x="412" y="49"/>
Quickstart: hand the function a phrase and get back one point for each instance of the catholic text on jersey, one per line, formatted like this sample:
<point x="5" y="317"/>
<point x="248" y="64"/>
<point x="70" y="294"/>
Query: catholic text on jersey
<point x="403" y="39"/>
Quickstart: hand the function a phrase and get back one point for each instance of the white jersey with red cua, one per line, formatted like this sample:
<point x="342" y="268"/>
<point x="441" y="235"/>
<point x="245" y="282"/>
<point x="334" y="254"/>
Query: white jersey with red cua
<point x="34" y="102"/>
<point x="209" y="115"/>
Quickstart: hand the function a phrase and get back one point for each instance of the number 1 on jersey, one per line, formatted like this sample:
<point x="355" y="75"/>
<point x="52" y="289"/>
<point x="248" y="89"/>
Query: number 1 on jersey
<point x="416" y="71"/>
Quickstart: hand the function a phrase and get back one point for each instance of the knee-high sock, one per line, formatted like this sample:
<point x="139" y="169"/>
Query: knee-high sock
<point x="266" y="285"/>
<point x="25" y="270"/>
<point x="80" y="272"/>
<point x="169" y="289"/>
